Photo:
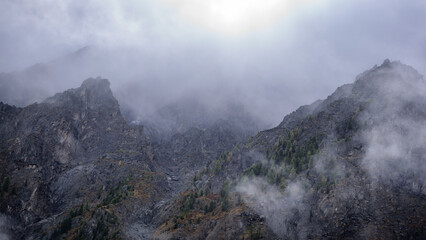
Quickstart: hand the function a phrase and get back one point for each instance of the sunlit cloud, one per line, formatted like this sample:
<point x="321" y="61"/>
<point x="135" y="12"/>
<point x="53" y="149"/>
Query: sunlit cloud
<point x="234" y="17"/>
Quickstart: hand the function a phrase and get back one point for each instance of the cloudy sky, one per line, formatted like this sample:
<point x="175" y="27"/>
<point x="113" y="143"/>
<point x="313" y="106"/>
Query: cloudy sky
<point x="272" y="54"/>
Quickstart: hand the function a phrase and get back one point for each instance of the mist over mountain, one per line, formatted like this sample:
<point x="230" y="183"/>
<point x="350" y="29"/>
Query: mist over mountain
<point x="213" y="119"/>
<point x="350" y="166"/>
<point x="143" y="94"/>
<point x="154" y="56"/>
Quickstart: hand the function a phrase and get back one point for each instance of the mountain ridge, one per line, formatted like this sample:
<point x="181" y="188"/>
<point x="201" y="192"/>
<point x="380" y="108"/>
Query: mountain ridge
<point x="325" y="156"/>
<point x="74" y="168"/>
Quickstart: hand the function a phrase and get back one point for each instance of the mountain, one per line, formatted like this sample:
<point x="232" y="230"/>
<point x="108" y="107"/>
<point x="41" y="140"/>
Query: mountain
<point x="73" y="158"/>
<point x="41" y="80"/>
<point x="144" y="97"/>
<point x="351" y="166"/>
<point x="189" y="112"/>
<point x="66" y="152"/>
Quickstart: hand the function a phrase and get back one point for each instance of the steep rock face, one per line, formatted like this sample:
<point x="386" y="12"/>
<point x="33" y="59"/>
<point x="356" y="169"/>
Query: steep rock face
<point x="76" y="125"/>
<point x="187" y="134"/>
<point x="57" y="153"/>
<point x="188" y="152"/>
<point x="349" y="167"/>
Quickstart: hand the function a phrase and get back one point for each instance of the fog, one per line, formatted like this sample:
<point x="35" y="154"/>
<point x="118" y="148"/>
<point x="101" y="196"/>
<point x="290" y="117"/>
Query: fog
<point x="392" y="128"/>
<point x="4" y="227"/>
<point x="235" y="58"/>
<point x="387" y="150"/>
<point x="277" y="206"/>
<point x="270" y="56"/>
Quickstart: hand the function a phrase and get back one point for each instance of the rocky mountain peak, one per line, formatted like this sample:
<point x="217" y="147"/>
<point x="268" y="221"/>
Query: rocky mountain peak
<point x="390" y="80"/>
<point x="386" y="63"/>
<point x="96" y="83"/>
<point x="97" y="91"/>
<point x="391" y="76"/>
<point x="94" y="94"/>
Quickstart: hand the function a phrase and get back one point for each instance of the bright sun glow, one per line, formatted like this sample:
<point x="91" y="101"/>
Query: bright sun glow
<point x="233" y="17"/>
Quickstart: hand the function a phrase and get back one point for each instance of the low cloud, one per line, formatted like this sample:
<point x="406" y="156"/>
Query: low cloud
<point x="4" y="228"/>
<point x="278" y="207"/>
<point x="393" y="130"/>
<point x="154" y="55"/>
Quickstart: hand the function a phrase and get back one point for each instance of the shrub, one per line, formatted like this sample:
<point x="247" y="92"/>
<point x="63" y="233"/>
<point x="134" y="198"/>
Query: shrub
<point x="6" y="183"/>
<point x="66" y="225"/>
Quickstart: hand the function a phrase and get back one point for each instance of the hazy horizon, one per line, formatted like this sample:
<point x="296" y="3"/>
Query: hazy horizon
<point x="273" y="56"/>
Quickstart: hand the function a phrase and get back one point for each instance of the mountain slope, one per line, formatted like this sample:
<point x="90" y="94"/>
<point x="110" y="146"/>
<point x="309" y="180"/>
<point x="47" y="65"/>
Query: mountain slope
<point x="74" y="149"/>
<point x="349" y="167"/>
<point x="75" y="168"/>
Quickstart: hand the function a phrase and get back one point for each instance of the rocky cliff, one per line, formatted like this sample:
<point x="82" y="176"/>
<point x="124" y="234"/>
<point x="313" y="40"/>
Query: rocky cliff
<point x="67" y="152"/>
